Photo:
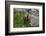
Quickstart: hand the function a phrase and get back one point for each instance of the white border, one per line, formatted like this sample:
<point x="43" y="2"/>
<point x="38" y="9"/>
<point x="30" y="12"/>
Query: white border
<point x="29" y="28"/>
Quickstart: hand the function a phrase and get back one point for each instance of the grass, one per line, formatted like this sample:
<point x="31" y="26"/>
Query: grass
<point x="19" y="21"/>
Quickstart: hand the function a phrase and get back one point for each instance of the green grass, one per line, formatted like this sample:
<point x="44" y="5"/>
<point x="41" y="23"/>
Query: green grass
<point x="19" y="21"/>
